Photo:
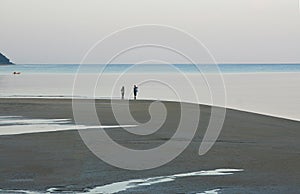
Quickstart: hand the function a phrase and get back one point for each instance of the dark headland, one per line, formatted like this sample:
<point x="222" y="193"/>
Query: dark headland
<point x="4" y="60"/>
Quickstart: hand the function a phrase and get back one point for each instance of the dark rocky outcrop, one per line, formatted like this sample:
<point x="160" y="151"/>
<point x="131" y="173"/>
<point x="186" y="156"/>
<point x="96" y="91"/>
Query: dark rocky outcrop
<point x="4" y="60"/>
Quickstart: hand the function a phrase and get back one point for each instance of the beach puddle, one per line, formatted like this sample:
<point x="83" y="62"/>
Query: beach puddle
<point x="13" y="125"/>
<point x="125" y="185"/>
<point x="135" y="183"/>
<point x="214" y="191"/>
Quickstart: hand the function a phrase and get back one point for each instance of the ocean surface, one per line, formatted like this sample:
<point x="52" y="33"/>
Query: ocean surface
<point x="148" y="68"/>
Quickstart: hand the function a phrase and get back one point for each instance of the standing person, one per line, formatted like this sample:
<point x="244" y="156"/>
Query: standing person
<point x="122" y="92"/>
<point x="135" y="91"/>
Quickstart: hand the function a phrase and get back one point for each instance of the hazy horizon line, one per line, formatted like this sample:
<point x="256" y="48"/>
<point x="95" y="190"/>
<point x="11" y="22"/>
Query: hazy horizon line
<point x="227" y="63"/>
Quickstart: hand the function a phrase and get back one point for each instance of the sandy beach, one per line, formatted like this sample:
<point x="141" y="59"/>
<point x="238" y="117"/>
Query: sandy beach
<point x="267" y="149"/>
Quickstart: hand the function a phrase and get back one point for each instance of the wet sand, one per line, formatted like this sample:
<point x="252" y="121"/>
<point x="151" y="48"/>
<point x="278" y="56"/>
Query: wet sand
<point x="267" y="148"/>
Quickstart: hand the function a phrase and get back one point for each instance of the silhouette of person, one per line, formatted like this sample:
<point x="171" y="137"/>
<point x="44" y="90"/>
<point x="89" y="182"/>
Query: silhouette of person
<point x="135" y="91"/>
<point x="122" y="92"/>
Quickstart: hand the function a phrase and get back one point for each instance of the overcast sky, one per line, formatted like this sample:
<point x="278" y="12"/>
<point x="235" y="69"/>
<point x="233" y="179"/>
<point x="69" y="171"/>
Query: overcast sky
<point x="235" y="31"/>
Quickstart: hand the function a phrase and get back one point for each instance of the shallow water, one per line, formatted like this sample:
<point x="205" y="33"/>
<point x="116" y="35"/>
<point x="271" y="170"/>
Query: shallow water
<point x="136" y="183"/>
<point x="12" y="125"/>
<point x="125" y="185"/>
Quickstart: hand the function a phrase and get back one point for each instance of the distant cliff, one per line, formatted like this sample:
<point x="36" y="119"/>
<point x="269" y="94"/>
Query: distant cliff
<point x="4" y="60"/>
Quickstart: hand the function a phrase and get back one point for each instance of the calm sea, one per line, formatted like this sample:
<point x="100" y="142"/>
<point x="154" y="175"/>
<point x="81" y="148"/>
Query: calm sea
<point x="149" y="68"/>
<point x="57" y="80"/>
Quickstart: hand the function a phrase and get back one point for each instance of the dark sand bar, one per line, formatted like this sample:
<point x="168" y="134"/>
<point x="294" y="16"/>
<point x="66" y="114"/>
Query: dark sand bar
<point x="266" y="148"/>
